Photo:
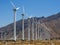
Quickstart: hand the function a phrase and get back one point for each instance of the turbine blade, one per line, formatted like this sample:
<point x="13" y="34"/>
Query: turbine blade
<point x="30" y="16"/>
<point x="13" y="4"/>
<point x="23" y="10"/>
<point x="17" y="8"/>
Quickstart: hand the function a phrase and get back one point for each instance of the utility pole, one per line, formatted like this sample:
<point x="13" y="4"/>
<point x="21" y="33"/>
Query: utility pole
<point x="28" y="28"/>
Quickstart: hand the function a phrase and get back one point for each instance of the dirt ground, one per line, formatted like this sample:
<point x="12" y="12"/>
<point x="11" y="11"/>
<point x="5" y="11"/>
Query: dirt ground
<point x="35" y="42"/>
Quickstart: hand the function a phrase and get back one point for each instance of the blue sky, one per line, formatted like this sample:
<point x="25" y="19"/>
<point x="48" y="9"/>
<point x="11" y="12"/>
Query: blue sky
<point x="37" y="8"/>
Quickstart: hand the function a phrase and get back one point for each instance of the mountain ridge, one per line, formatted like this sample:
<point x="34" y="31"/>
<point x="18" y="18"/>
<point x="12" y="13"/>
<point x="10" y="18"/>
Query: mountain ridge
<point x="52" y="22"/>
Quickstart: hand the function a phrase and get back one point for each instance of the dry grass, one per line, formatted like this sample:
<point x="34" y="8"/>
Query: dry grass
<point x="41" y="42"/>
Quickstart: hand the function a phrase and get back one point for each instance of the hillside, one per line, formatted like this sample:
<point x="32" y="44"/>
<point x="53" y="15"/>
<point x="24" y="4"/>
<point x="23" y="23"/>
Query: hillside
<point x="52" y="23"/>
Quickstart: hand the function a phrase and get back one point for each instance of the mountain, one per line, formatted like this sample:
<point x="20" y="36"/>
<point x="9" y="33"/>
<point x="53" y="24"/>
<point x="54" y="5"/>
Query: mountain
<point x="52" y="24"/>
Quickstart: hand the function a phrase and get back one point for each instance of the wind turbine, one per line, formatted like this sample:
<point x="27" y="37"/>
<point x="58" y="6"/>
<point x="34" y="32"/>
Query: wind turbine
<point x="23" y="14"/>
<point x="33" y="29"/>
<point x="14" y="9"/>
<point x="29" y="28"/>
<point x="36" y="29"/>
<point x="1" y="35"/>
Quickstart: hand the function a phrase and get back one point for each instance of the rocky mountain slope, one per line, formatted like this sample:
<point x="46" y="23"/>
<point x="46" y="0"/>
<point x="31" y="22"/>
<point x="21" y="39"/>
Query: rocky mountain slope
<point x="52" y="23"/>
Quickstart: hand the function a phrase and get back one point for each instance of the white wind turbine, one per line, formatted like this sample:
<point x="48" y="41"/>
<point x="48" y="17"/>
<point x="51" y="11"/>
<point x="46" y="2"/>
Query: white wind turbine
<point x="29" y="27"/>
<point x="14" y="9"/>
<point x="33" y="29"/>
<point x="23" y="14"/>
<point x="36" y="29"/>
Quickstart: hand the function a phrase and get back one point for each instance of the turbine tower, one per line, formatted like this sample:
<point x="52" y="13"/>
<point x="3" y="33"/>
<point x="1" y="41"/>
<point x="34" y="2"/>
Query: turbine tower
<point x="23" y="24"/>
<point x="1" y="35"/>
<point x="28" y="29"/>
<point x="14" y="9"/>
<point x="36" y="30"/>
<point x="33" y="29"/>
